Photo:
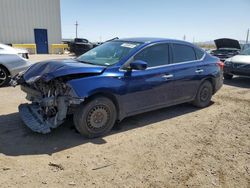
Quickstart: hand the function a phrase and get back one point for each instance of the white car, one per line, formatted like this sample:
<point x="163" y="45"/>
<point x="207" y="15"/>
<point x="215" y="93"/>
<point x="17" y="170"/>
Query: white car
<point x="238" y="65"/>
<point x="12" y="61"/>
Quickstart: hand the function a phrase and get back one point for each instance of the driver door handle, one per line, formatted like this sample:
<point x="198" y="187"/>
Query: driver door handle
<point x="167" y="76"/>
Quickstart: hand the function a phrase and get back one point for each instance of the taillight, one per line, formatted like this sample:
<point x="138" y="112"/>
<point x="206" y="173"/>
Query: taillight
<point x="220" y="64"/>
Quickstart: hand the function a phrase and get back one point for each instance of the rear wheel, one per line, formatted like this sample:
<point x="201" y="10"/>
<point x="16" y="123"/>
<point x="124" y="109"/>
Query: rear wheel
<point x="227" y="76"/>
<point x="96" y="117"/>
<point x="204" y="95"/>
<point x="4" y="76"/>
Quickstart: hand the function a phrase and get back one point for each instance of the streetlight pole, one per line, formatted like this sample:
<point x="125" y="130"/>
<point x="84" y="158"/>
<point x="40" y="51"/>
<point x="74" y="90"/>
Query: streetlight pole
<point x="76" y="24"/>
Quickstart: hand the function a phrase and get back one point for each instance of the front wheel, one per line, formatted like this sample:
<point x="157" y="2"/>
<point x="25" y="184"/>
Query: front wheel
<point x="96" y="117"/>
<point x="204" y="95"/>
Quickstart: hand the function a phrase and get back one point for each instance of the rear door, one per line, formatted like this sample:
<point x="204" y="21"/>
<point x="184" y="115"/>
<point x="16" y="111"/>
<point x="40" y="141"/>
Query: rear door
<point x="186" y="70"/>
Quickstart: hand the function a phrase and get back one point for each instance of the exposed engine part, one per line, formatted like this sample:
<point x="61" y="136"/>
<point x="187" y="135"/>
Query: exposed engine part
<point x="50" y="104"/>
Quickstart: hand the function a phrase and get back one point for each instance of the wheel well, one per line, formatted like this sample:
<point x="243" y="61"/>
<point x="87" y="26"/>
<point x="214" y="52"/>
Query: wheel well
<point x="109" y="96"/>
<point x="5" y="69"/>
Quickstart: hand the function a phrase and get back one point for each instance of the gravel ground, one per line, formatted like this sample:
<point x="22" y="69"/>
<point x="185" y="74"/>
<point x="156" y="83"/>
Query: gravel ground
<point x="180" y="146"/>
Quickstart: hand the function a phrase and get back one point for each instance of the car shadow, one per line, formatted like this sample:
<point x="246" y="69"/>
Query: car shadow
<point x="8" y="85"/>
<point x="243" y="82"/>
<point x="17" y="139"/>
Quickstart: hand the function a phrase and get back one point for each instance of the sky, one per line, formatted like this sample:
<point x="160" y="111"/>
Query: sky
<point x="198" y="20"/>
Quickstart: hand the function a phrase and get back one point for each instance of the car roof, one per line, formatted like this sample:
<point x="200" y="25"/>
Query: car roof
<point x="150" y="40"/>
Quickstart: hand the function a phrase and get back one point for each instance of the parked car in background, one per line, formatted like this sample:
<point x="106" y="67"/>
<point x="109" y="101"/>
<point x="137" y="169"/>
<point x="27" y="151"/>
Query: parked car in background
<point x="238" y="65"/>
<point x="12" y="62"/>
<point x="79" y="46"/>
<point x="10" y="50"/>
<point x="115" y="80"/>
<point x="226" y="48"/>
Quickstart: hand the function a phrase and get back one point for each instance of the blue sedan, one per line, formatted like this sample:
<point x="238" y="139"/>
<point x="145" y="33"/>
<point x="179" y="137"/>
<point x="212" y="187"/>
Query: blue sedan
<point x="115" y="80"/>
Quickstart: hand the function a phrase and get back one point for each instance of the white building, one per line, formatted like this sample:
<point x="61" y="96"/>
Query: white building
<point x="30" y="21"/>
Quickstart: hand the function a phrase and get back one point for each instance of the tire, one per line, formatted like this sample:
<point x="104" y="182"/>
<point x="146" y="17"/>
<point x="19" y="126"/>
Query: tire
<point x="96" y="117"/>
<point x="4" y="76"/>
<point x="227" y="76"/>
<point x="204" y="95"/>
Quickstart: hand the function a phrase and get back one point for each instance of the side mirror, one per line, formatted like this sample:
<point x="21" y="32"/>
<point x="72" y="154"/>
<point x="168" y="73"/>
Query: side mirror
<point x="138" y="65"/>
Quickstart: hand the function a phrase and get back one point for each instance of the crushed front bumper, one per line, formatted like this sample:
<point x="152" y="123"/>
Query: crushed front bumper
<point x="31" y="118"/>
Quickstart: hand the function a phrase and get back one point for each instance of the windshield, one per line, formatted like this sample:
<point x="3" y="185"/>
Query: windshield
<point x="245" y="52"/>
<point x="245" y="46"/>
<point x="108" y="53"/>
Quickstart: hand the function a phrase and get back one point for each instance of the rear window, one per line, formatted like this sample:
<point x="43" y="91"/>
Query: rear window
<point x="199" y="53"/>
<point x="183" y="53"/>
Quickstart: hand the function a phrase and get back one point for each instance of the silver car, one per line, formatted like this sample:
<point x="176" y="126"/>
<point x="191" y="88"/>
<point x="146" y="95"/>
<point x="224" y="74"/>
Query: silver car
<point x="238" y="65"/>
<point x="12" y="62"/>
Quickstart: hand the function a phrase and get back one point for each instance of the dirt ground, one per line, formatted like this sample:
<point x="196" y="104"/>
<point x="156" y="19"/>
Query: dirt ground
<point x="180" y="146"/>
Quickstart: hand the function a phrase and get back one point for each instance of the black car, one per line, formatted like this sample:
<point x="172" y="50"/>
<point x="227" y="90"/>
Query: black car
<point x="226" y="48"/>
<point x="79" y="46"/>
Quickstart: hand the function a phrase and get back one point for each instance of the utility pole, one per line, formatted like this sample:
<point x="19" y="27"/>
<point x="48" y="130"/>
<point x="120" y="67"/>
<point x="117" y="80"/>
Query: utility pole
<point x="76" y="24"/>
<point x="247" y="36"/>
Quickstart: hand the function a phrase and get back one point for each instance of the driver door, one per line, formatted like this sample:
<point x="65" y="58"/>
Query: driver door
<point x="150" y="88"/>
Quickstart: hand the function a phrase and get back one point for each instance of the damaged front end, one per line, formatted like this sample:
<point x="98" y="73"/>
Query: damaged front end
<point x="52" y="97"/>
<point x="50" y="103"/>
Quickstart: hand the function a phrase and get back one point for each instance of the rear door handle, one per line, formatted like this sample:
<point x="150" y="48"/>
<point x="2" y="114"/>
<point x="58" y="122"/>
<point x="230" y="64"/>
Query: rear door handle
<point x="167" y="76"/>
<point x="199" y="71"/>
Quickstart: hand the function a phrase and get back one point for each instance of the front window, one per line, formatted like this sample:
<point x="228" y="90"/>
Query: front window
<point x="245" y="52"/>
<point x="108" y="53"/>
<point x="154" y="56"/>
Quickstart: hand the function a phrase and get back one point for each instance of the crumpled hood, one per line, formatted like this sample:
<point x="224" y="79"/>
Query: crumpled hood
<point x="227" y="43"/>
<point x="49" y="70"/>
